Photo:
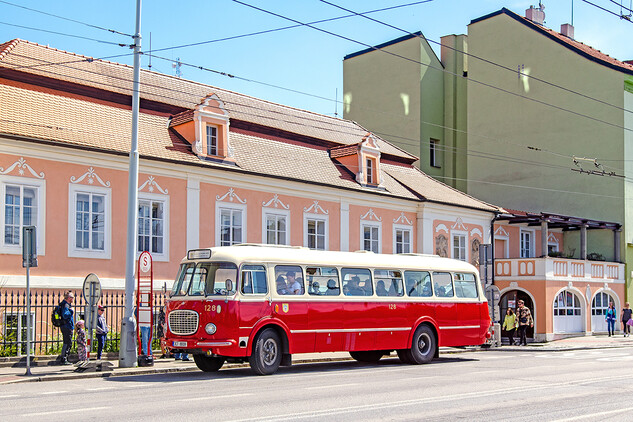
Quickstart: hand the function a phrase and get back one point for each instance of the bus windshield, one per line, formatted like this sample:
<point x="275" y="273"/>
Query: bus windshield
<point x="205" y="279"/>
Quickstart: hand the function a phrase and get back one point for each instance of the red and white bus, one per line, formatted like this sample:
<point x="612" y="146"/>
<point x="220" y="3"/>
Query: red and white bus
<point x="262" y="304"/>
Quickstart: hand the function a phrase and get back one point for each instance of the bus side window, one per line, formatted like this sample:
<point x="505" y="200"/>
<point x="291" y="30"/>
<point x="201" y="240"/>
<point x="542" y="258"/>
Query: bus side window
<point x="356" y="282"/>
<point x="254" y="279"/>
<point x="443" y="284"/>
<point x="418" y="283"/>
<point x="388" y="282"/>
<point x="465" y="285"/>
<point x="292" y="275"/>
<point x="323" y="281"/>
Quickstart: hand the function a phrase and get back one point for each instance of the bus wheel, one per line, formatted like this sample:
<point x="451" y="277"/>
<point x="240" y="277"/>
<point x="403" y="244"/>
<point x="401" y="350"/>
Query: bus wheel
<point x="370" y="356"/>
<point x="405" y="356"/>
<point x="208" y="363"/>
<point x="423" y="345"/>
<point x="266" y="356"/>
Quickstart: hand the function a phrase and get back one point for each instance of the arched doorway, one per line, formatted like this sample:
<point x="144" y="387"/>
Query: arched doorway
<point x="509" y="300"/>
<point x="568" y="313"/>
<point x="599" y="306"/>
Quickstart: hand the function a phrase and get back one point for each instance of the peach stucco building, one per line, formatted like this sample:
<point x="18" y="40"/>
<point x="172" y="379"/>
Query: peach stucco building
<point x="216" y="168"/>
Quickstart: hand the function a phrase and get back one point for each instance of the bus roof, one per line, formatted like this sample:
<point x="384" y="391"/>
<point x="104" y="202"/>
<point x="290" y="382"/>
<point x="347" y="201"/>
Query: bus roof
<point x="302" y="255"/>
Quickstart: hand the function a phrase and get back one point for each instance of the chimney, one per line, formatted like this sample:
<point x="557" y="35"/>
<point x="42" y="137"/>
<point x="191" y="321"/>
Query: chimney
<point x="567" y="30"/>
<point x="536" y="15"/>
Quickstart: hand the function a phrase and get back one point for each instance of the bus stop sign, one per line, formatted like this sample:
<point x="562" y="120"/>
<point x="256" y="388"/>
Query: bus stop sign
<point x="92" y="289"/>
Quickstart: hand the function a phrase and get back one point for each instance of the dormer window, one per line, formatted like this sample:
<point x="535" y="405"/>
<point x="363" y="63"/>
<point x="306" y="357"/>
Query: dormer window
<point x="362" y="159"/>
<point x="212" y="140"/>
<point x="370" y="171"/>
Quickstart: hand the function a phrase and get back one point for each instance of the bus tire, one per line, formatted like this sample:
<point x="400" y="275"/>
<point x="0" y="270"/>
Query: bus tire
<point x="267" y="351"/>
<point x="405" y="356"/>
<point x="208" y="363"/>
<point x="423" y="346"/>
<point x="369" y="356"/>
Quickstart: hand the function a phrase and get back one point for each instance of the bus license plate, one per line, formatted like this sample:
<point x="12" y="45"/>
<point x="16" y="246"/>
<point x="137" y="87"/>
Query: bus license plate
<point x="180" y="344"/>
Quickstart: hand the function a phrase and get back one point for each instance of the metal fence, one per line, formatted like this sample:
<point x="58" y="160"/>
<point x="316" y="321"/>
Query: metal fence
<point x="46" y="338"/>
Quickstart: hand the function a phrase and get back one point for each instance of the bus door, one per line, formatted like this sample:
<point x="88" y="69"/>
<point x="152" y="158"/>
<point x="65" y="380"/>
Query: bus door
<point x="468" y="308"/>
<point x="390" y="313"/>
<point x="446" y="312"/>
<point x="325" y="308"/>
<point x="359" y="316"/>
<point x="254" y="304"/>
<point x="290" y="305"/>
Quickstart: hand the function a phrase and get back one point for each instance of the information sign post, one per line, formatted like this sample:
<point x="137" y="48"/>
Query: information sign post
<point x="92" y="294"/>
<point x="144" y="305"/>
<point x="29" y="259"/>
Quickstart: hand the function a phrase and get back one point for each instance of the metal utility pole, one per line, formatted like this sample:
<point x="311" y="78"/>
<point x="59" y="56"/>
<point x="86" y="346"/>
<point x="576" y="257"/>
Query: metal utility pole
<point x="127" y="346"/>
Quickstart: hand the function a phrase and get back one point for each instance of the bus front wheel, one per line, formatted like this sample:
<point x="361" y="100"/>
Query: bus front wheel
<point x="370" y="356"/>
<point x="208" y="363"/>
<point x="266" y="356"/>
<point x="423" y="347"/>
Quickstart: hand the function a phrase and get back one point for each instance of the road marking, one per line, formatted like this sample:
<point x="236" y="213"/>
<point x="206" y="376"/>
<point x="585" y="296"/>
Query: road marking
<point x="46" y="393"/>
<point x="332" y="386"/>
<point x="593" y="416"/>
<point x="9" y="396"/>
<point x="53" y="412"/>
<point x="99" y="388"/>
<point x="226" y="396"/>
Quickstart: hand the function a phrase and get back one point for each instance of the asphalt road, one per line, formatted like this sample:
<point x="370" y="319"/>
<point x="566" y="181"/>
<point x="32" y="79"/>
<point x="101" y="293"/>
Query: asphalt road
<point x="586" y="385"/>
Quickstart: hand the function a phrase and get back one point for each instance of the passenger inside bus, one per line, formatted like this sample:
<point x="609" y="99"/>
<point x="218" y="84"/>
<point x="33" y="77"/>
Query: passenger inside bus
<point x="282" y="288"/>
<point x="332" y="288"/>
<point x="315" y="288"/>
<point x="381" y="290"/>
<point x="353" y="287"/>
<point x="293" y="286"/>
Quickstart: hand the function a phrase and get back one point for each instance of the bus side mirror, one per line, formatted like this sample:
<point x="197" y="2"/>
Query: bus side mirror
<point x="228" y="285"/>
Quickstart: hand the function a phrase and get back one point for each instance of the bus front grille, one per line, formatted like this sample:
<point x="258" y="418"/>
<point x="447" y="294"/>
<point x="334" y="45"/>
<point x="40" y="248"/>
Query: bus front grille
<point x="183" y="322"/>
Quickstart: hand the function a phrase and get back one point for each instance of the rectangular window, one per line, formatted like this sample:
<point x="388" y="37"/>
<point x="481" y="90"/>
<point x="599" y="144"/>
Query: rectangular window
<point x="254" y="280"/>
<point x="20" y="209"/>
<point x="402" y="240"/>
<point x="356" y="282"/>
<point x="370" y="171"/>
<point x="276" y="229"/>
<point x="323" y="281"/>
<point x="289" y="280"/>
<point x="442" y="284"/>
<point x="526" y="244"/>
<point x="316" y="231"/>
<point x="90" y="221"/>
<point x="388" y="283"/>
<point x="418" y="283"/>
<point x="230" y="226"/>
<point x="434" y="153"/>
<point x="151" y="226"/>
<point x="459" y="247"/>
<point x="371" y="238"/>
<point x="212" y="140"/>
<point x="465" y="285"/>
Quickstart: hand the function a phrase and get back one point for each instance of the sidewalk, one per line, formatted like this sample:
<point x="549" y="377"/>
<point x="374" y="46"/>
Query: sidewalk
<point x="44" y="369"/>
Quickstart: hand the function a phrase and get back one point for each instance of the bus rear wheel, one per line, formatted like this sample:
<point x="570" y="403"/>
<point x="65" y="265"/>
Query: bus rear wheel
<point x="370" y="356"/>
<point x="423" y="347"/>
<point x="208" y="363"/>
<point x="266" y="356"/>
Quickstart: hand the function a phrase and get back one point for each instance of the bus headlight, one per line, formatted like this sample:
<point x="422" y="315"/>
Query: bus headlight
<point x="210" y="328"/>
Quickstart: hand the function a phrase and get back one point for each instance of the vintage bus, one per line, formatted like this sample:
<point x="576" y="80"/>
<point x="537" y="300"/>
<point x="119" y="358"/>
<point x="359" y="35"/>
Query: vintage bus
<point x="262" y="304"/>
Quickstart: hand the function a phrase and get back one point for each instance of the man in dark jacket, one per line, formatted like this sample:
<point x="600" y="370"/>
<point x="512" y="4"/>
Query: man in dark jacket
<point x="102" y="330"/>
<point x="68" y="326"/>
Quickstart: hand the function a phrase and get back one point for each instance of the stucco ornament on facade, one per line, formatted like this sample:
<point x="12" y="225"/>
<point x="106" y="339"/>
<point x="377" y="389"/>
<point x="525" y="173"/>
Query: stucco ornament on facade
<point x="402" y="219"/>
<point x="315" y="208"/>
<point x="459" y="225"/>
<point x="477" y="232"/>
<point x="552" y="239"/>
<point x="231" y="195"/>
<point x="369" y="215"/>
<point x="151" y="183"/>
<point x="441" y="228"/>
<point x="275" y="201"/>
<point x="92" y="176"/>
<point x="501" y="232"/>
<point x="21" y="165"/>
<point x="441" y="246"/>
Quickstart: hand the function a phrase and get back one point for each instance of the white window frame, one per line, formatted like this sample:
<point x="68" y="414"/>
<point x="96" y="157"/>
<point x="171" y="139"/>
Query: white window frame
<point x="73" y="252"/>
<point x="531" y="245"/>
<point x="275" y="211"/>
<point x="460" y="235"/>
<point x="403" y="228"/>
<point x="206" y="139"/>
<point x="320" y="217"/>
<point x="370" y="224"/>
<point x="155" y="197"/>
<point x="40" y="186"/>
<point x="219" y="205"/>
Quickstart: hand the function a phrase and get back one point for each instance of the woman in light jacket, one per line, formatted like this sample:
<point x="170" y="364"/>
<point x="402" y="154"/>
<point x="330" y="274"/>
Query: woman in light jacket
<point x="510" y="325"/>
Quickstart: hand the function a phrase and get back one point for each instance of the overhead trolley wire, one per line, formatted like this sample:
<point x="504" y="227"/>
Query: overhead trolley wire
<point x="65" y="18"/>
<point x="64" y="34"/>
<point x="606" y="10"/>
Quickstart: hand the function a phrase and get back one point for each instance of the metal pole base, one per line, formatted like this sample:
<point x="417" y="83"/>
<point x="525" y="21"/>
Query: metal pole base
<point x="128" y="347"/>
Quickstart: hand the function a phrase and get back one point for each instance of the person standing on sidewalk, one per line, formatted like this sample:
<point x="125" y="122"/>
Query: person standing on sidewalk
<point x="67" y="328"/>
<point x="610" y="316"/>
<point x="626" y="316"/>
<point x="102" y="331"/>
<point x="510" y="325"/>
<point x="80" y="337"/>
<point x="525" y="320"/>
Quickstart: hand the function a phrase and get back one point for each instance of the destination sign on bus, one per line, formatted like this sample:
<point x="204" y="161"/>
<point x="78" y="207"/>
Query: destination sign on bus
<point x="199" y="254"/>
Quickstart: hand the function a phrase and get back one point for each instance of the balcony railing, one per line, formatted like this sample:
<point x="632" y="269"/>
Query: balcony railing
<point x="559" y="269"/>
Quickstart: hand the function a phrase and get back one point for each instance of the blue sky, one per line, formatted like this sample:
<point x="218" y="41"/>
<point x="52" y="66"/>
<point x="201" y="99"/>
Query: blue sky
<point x="300" y="59"/>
